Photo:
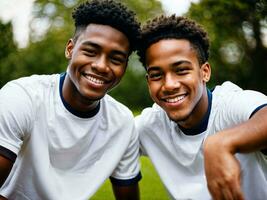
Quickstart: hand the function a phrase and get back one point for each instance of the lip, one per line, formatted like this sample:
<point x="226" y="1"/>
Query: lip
<point x="174" y="100"/>
<point x="95" y="80"/>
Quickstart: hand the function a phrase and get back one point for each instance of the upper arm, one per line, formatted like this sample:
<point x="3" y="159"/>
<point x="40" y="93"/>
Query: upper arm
<point x="245" y="137"/>
<point x="251" y="110"/>
<point x="16" y="114"/>
<point x="5" y="168"/>
<point x="142" y="133"/>
<point x="242" y="105"/>
<point x="129" y="167"/>
<point x="127" y="174"/>
<point x="130" y="192"/>
<point x="259" y="118"/>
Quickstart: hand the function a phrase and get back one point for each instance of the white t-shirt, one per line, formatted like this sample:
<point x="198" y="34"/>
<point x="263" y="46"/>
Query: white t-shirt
<point x="63" y="154"/>
<point x="178" y="155"/>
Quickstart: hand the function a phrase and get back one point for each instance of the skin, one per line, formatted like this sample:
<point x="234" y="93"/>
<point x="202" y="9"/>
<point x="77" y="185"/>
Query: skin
<point x="97" y="62"/>
<point x="221" y="167"/>
<point x="177" y="83"/>
<point x="126" y="192"/>
<point x="5" y="168"/>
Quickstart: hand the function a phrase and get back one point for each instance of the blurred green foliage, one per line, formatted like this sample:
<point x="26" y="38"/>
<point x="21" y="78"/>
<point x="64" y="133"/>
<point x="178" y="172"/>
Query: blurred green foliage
<point x="238" y="47"/>
<point x="238" y="52"/>
<point x="151" y="187"/>
<point x="7" y="48"/>
<point x="45" y="52"/>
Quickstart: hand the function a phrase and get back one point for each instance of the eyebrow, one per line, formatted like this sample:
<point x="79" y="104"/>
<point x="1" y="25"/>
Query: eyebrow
<point x="152" y="68"/>
<point x="93" y="44"/>
<point x="180" y="62"/>
<point x="89" y="43"/>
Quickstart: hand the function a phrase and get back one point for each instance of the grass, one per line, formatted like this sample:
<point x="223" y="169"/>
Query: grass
<point x="150" y="186"/>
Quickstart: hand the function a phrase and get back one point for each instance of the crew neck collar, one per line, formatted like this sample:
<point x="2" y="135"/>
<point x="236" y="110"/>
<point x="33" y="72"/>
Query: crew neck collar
<point x="80" y="114"/>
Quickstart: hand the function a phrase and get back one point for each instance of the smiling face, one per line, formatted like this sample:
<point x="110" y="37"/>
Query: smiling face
<point x="97" y="62"/>
<point x="176" y="81"/>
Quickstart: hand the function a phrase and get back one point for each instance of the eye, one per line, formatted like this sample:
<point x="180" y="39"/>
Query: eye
<point x="182" y="70"/>
<point x="90" y="52"/>
<point x="154" y="75"/>
<point x="117" y="60"/>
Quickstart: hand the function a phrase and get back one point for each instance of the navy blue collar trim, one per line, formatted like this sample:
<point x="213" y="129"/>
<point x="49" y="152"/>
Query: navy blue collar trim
<point x="204" y="122"/>
<point x="89" y="114"/>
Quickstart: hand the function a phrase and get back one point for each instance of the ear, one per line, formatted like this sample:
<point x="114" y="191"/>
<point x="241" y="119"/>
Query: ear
<point x="206" y="72"/>
<point x="146" y="77"/>
<point x="69" y="49"/>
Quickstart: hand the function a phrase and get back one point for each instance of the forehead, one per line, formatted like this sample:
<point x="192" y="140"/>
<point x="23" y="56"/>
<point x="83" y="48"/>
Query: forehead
<point x="167" y="51"/>
<point x="105" y="35"/>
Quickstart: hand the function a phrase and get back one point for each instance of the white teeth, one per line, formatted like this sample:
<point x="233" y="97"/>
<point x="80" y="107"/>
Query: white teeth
<point x="97" y="81"/>
<point x="176" y="99"/>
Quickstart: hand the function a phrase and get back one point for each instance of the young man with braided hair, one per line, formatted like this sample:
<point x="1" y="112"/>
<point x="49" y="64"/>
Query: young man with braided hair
<point x="204" y="144"/>
<point x="61" y="135"/>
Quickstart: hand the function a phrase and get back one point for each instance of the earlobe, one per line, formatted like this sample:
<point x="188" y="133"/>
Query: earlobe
<point x="69" y="48"/>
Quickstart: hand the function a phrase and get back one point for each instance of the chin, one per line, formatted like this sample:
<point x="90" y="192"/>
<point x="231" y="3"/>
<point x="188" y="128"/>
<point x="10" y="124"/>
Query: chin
<point x="93" y="97"/>
<point x="176" y="117"/>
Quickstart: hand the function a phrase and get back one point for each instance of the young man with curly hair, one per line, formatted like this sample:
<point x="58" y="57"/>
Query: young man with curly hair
<point x="205" y="144"/>
<point x="61" y="135"/>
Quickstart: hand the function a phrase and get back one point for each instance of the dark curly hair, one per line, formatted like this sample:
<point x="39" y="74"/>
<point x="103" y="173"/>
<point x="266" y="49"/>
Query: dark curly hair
<point x="107" y="12"/>
<point x="168" y="27"/>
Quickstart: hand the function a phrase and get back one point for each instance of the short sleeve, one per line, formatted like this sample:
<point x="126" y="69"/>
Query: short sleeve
<point x="128" y="169"/>
<point x="243" y="104"/>
<point x="138" y="125"/>
<point x="148" y="124"/>
<point x="15" y="116"/>
<point x="234" y="105"/>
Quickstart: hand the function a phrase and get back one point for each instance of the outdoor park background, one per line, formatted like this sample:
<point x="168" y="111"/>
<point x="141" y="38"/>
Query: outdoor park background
<point x="238" y="35"/>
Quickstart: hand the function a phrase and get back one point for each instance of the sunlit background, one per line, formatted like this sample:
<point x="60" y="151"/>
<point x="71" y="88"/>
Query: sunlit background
<point x="34" y="34"/>
<point x="20" y="13"/>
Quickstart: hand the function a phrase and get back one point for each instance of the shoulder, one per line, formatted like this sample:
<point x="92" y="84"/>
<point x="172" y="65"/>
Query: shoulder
<point x="25" y="88"/>
<point x="151" y="118"/>
<point x="231" y="104"/>
<point x="232" y="93"/>
<point x="115" y="108"/>
<point x="36" y="81"/>
<point x="226" y="88"/>
<point x="25" y="93"/>
<point x="32" y="83"/>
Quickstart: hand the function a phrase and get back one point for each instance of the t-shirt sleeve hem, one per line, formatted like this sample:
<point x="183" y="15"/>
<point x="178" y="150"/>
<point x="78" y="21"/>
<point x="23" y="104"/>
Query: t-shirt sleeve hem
<point x="257" y="109"/>
<point x="8" y="154"/>
<point x="126" y="182"/>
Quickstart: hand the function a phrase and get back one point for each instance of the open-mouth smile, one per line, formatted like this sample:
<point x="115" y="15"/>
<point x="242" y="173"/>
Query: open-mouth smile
<point x="175" y="99"/>
<point x="94" y="80"/>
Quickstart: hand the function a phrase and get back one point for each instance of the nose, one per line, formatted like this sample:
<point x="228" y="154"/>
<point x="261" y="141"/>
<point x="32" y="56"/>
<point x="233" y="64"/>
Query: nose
<point x="171" y="82"/>
<point x="101" y="64"/>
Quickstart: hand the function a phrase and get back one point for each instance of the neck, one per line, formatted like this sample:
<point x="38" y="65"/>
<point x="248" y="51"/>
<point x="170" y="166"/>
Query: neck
<point x="198" y="113"/>
<point x="75" y="100"/>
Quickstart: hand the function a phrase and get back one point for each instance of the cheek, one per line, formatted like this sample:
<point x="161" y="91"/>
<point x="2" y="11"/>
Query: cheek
<point x="80" y="59"/>
<point x="153" y="90"/>
<point x="194" y="81"/>
<point x="118" y="73"/>
<point x="192" y="78"/>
